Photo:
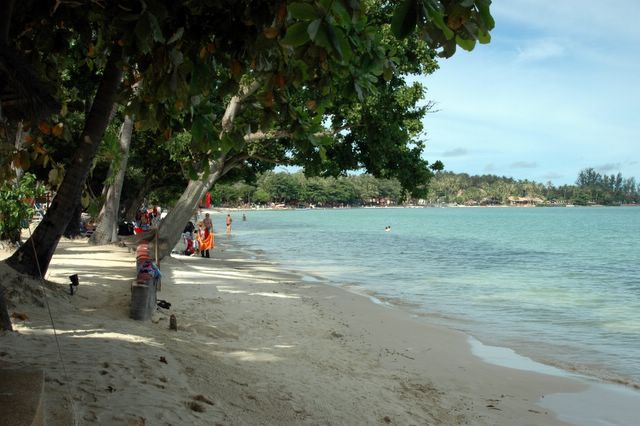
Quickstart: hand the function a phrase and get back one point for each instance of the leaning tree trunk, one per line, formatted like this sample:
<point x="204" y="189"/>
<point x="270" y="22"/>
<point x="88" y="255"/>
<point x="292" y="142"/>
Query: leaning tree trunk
<point x="35" y="255"/>
<point x="107" y="230"/>
<point x="75" y="220"/>
<point x="133" y="204"/>
<point x="5" y="320"/>
<point x="172" y="225"/>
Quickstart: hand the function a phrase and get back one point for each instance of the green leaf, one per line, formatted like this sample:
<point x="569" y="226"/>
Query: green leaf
<point x="199" y="130"/>
<point x="340" y="43"/>
<point x="323" y="153"/>
<point x="53" y="176"/>
<point x="387" y="72"/>
<point x="322" y="38"/>
<point x="358" y="89"/>
<point x="322" y="140"/>
<point x="485" y="14"/>
<point x="296" y="35"/>
<point x="341" y="12"/>
<point x="193" y="173"/>
<point x="484" y="37"/>
<point x="303" y="11"/>
<point x="314" y="28"/>
<point x="231" y="140"/>
<point x="155" y="28"/>
<point x="85" y="200"/>
<point x="448" y="49"/>
<point x="142" y="32"/>
<point x="404" y="19"/>
<point x="437" y="16"/>
<point x="326" y="4"/>
<point x="199" y="78"/>
<point x="466" y="44"/>
<point x="176" y="36"/>
<point x="177" y="57"/>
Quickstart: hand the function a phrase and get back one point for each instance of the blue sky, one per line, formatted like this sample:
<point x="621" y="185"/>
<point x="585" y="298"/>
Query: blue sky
<point x="556" y="90"/>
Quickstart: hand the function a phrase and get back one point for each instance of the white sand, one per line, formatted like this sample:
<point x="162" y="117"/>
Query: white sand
<point x="255" y="345"/>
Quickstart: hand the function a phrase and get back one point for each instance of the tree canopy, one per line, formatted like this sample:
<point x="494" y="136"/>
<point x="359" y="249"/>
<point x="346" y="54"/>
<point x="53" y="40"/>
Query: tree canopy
<point x="251" y="82"/>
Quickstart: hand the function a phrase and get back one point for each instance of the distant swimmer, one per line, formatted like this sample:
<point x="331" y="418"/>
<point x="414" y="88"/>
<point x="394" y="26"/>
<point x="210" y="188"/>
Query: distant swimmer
<point x="387" y="229"/>
<point x="229" y="221"/>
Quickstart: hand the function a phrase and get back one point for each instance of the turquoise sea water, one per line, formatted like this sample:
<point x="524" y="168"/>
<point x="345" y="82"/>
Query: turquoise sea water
<point x="560" y="285"/>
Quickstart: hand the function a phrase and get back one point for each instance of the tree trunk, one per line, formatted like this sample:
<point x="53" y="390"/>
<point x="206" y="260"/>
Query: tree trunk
<point x="5" y="320"/>
<point x="73" y="227"/>
<point x="48" y="233"/>
<point x="107" y="230"/>
<point x="132" y="204"/>
<point x="173" y="224"/>
<point x="19" y="145"/>
<point x="6" y="12"/>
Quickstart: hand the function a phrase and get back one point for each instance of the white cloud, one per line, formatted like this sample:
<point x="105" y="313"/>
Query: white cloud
<point x="538" y="50"/>
<point x="523" y="165"/>
<point x="555" y="93"/>
<point x="456" y="152"/>
<point x="592" y="20"/>
<point x="608" y="167"/>
<point x="553" y="176"/>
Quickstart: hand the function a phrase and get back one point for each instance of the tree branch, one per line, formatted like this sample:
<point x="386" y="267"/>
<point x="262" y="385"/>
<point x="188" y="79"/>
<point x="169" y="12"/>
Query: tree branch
<point x="234" y="104"/>
<point x="6" y="12"/>
<point x="260" y="135"/>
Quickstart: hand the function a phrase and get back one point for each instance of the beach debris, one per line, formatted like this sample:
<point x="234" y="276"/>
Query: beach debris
<point x="336" y="335"/>
<point x="194" y="406"/>
<point x="204" y="399"/>
<point x="140" y="421"/>
<point x="53" y="380"/>
<point x="163" y="360"/>
<point x="74" y="283"/>
<point x="111" y="389"/>
<point x="173" y="323"/>
<point x="163" y="304"/>
<point x="386" y="419"/>
<point x="19" y="316"/>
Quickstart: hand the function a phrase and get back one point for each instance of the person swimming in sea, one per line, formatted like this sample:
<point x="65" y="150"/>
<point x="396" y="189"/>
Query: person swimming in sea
<point x="387" y="228"/>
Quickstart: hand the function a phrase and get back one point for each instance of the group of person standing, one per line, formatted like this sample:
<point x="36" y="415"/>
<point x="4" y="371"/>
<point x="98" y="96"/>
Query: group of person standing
<point x="147" y="218"/>
<point x="202" y="239"/>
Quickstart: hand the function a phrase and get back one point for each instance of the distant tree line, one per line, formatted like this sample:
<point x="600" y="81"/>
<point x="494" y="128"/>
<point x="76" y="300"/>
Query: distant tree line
<point x="293" y="189"/>
<point x="590" y="188"/>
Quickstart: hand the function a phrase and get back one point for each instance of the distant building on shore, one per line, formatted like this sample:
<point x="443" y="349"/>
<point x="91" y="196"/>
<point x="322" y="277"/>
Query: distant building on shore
<point x="525" y="201"/>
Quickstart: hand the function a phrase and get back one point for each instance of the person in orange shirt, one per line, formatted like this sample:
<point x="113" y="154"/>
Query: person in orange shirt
<point x="205" y="240"/>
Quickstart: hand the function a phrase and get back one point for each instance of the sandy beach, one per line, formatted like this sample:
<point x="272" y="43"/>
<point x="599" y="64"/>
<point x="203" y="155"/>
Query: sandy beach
<point x="256" y="344"/>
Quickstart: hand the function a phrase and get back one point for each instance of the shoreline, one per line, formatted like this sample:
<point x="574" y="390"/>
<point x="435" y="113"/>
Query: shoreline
<point x="430" y="206"/>
<point x="260" y="342"/>
<point x="593" y="405"/>
<point x="572" y="355"/>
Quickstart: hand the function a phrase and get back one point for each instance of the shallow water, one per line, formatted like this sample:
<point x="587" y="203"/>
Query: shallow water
<point x="560" y="285"/>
